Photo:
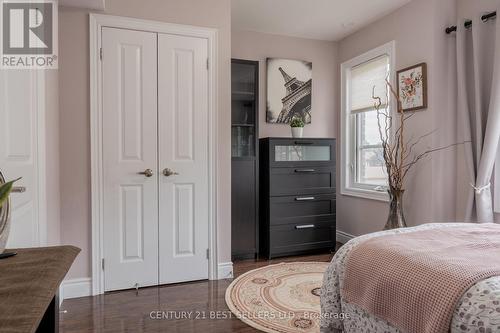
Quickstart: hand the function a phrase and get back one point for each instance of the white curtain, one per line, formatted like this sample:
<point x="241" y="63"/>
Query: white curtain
<point x="478" y="61"/>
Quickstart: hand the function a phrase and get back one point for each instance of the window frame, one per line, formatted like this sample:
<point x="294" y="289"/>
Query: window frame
<point x="357" y="149"/>
<point x="348" y="169"/>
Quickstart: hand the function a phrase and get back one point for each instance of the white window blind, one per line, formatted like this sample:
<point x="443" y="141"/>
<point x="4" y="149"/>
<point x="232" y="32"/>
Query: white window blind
<point x="364" y="77"/>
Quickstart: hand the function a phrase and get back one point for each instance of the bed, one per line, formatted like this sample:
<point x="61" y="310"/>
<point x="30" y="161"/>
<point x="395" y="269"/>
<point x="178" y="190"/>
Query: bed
<point x="477" y="311"/>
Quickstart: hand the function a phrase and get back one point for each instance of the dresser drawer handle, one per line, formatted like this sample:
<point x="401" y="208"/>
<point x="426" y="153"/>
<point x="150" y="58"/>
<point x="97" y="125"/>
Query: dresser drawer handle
<point x="305" y="198"/>
<point x="304" y="170"/>
<point x="307" y="226"/>
<point x="304" y="142"/>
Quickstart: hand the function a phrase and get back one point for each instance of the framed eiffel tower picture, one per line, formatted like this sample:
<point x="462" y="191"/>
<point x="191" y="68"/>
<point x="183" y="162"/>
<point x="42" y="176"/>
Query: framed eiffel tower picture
<point x="289" y="90"/>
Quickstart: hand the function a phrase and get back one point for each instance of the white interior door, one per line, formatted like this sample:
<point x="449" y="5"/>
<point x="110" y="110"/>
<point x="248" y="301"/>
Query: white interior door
<point x="21" y="139"/>
<point x="129" y="85"/>
<point x="183" y="158"/>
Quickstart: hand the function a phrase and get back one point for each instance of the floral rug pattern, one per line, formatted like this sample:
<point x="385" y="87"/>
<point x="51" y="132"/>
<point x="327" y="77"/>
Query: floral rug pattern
<point x="281" y="298"/>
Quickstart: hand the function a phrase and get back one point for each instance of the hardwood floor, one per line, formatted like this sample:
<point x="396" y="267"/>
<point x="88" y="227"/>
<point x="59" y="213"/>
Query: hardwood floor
<point x="128" y="311"/>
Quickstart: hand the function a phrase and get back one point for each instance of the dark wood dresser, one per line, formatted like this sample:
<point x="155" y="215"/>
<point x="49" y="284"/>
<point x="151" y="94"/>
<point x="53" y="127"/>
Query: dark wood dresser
<point x="297" y="196"/>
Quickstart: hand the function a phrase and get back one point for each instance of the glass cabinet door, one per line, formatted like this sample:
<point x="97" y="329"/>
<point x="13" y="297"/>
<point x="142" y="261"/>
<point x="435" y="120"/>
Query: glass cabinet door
<point x="243" y="141"/>
<point x="244" y="158"/>
<point x="243" y="108"/>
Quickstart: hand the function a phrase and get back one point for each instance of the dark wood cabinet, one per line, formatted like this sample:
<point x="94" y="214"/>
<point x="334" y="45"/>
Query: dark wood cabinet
<point x="297" y="197"/>
<point x="245" y="157"/>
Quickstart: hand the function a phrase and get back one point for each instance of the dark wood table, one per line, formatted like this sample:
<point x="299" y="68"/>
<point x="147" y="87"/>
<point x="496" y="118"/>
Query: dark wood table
<point x="29" y="285"/>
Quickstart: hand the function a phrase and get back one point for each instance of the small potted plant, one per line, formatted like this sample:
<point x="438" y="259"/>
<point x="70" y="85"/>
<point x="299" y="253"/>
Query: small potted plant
<point x="297" y="126"/>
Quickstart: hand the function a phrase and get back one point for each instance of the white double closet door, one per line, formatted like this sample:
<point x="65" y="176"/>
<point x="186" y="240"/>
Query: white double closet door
<point x="155" y="153"/>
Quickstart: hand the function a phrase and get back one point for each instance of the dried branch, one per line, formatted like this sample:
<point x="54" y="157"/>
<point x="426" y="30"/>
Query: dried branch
<point x="426" y="153"/>
<point x="414" y="144"/>
<point x="398" y="153"/>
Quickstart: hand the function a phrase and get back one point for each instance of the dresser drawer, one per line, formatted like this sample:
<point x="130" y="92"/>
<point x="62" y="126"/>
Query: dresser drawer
<point x="306" y="180"/>
<point x="302" y="209"/>
<point x="287" y="239"/>
<point x="284" y="152"/>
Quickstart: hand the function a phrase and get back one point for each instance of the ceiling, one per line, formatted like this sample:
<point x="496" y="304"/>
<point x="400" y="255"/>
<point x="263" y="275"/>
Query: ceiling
<point x="317" y="19"/>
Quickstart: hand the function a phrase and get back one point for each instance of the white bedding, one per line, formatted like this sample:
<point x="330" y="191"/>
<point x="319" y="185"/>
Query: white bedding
<point x="477" y="311"/>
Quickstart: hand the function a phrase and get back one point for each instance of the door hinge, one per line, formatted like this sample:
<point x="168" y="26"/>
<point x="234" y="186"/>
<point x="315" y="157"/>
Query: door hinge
<point x="102" y="263"/>
<point x="100" y="53"/>
<point x="208" y="253"/>
<point x="208" y="63"/>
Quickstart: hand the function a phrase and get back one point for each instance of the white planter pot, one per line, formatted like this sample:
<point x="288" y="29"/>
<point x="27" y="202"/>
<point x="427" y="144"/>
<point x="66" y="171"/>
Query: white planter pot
<point x="297" y="132"/>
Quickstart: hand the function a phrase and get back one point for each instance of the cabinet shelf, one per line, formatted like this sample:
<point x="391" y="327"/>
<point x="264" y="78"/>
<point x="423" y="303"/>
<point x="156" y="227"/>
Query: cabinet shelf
<point x="243" y="125"/>
<point x="243" y="97"/>
<point x="244" y="93"/>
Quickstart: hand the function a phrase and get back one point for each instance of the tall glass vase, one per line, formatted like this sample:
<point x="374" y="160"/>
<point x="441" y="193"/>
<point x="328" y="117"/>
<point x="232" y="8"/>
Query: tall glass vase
<point x="396" y="218"/>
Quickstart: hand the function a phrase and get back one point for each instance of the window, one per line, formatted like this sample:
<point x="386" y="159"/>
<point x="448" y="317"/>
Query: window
<point x="362" y="169"/>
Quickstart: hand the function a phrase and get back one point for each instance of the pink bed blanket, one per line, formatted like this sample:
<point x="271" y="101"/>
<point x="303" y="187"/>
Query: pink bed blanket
<point x="414" y="280"/>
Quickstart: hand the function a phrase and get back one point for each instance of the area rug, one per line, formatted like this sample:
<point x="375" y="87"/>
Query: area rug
<point x="279" y="298"/>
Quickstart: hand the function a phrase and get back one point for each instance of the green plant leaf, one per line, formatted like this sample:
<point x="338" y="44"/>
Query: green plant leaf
<point x="5" y="190"/>
<point x="296" y="122"/>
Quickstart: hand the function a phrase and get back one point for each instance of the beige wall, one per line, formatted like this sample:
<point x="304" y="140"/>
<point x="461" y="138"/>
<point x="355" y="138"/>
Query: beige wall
<point x="418" y="29"/>
<point x="468" y="9"/>
<point x="323" y="55"/>
<point x="75" y="110"/>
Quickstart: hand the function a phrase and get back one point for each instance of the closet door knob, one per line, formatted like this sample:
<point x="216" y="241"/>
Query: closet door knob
<point x="167" y="172"/>
<point x="147" y="173"/>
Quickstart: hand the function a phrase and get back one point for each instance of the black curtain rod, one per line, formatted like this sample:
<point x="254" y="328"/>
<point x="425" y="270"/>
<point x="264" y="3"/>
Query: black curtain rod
<point x="468" y="24"/>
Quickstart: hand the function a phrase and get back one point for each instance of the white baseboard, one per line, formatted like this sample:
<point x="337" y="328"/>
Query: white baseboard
<point x="73" y="288"/>
<point x="343" y="237"/>
<point x="225" y="270"/>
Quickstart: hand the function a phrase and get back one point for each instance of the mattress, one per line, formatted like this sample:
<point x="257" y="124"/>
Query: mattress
<point x="477" y="311"/>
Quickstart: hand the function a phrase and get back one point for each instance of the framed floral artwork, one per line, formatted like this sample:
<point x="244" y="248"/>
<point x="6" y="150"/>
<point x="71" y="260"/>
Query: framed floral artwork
<point x="412" y="87"/>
